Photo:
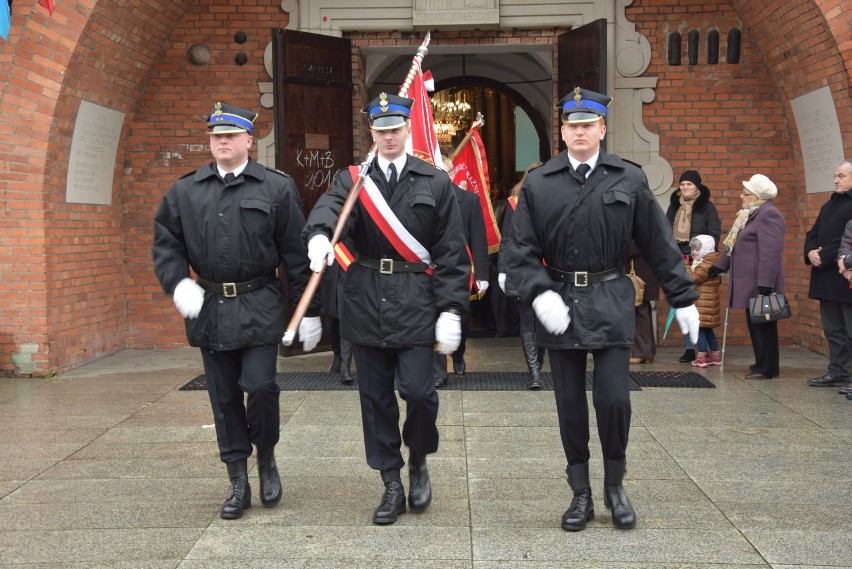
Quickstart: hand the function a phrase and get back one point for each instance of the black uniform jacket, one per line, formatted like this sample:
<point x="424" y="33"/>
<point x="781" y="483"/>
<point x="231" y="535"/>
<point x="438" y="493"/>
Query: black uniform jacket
<point x="400" y="309"/>
<point x="473" y="225"/>
<point x="586" y="225"/>
<point x="826" y="282"/>
<point x="233" y="233"/>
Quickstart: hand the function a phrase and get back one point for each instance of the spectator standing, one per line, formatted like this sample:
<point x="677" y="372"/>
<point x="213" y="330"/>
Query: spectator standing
<point x="704" y="256"/>
<point x="754" y="257"/>
<point x="821" y="249"/>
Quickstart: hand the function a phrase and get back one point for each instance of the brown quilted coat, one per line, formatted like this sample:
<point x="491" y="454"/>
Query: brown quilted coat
<point x="709" y="307"/>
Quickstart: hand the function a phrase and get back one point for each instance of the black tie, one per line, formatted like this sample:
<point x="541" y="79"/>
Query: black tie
<point x="583" y="169"/>
<point x="392" y="176"/>
<point x="229" y="177"/>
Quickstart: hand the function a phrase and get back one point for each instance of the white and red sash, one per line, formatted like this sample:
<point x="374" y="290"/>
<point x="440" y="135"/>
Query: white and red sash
<point x="389" y="224"/>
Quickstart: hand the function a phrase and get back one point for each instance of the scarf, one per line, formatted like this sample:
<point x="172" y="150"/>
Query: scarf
<point x="739" y="223"/>
<point x="682" y="224"/>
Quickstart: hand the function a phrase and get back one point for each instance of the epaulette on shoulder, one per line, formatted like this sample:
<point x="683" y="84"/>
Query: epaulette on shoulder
<point x="535" y="167"/>
<point x="276" y="171"/>
<point x="188" y="174"/>
<point x="632" y="162"/>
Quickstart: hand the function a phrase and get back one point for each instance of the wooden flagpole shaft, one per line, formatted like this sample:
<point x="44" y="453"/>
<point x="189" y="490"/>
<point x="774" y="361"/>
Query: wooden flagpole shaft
<point x="480" y="120"/>
<point x="314" y="282"/>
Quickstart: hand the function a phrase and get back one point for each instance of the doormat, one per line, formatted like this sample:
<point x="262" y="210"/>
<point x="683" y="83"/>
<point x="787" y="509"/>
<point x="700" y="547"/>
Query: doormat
<point x="474" y="381"/>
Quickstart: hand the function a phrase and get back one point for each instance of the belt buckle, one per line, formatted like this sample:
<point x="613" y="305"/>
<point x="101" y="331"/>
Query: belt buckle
<point x="229" y="290"/>
<point x="581" y="278"/>
<point x="386" y="266"/>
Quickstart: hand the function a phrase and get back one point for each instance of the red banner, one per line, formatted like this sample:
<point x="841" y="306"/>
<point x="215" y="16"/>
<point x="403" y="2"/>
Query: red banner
<point x="423" y="140"/>
<point x="47" y="4"/>
<point x="470" y="171"/>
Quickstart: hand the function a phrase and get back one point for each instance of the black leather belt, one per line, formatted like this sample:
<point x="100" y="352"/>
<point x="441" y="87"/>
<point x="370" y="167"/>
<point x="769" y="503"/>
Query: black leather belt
<point x="391" y="266"/>
<point x="584" y="278"/>
<point x="230" y="290"/>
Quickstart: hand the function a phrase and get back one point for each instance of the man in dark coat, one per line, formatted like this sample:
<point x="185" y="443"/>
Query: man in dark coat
<point x="566" y="251"/>
<point x="407" y="289"/>
<point x="827" y="284"/>
<point x="233" y="222"/>
<point x="477" y="243"/>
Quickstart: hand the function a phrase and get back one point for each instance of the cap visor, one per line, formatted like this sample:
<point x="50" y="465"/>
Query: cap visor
<point x="387" y="123"/>
<point x="578" y="118"/>
<point x="226" y="129"/>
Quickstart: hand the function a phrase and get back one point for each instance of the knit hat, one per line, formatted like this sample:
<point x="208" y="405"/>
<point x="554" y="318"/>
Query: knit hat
<point x="691" y="176"/>
<point x="761" y="186"/>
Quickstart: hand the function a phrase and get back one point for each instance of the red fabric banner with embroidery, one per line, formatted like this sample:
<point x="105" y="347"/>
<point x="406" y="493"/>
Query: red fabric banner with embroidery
<point x="423" y="140"/>
<point x="470" y="171"/>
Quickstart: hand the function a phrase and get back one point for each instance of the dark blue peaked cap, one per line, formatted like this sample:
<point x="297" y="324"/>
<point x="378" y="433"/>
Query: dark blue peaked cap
<point x="388" y="111"/>
<point x="226" y="119"/>
<point x="582" y="105"/>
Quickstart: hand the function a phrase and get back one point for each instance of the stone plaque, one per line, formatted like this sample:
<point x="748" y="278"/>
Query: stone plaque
<point x="438" y="14"/>
<point x="94" y="145"/>
<point x="819" y="137"/>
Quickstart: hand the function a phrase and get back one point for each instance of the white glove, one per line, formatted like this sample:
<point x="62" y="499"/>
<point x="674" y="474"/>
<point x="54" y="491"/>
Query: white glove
<point x="448" y="332"/>
<point x="481" y="286"/>
<point x="310" y="332"/>
<point x="501" y="280"/>
<point x="189" y="298"/>
<point x="551" y="312"/>
<point x="319" y="252"/>
<point x="689" y="321"/>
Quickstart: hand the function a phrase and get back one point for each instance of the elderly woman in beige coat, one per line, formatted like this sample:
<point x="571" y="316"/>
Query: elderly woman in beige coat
<point x="704" y="255"/>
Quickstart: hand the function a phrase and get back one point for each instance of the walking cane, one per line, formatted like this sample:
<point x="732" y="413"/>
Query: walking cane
<point x="724" y="339"/>
<point x="346" y="209"/>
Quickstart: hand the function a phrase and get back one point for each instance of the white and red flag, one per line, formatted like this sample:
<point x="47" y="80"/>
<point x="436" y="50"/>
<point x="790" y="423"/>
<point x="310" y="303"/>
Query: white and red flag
<point x="470" y="171"/>
<point x="423" y="142"/>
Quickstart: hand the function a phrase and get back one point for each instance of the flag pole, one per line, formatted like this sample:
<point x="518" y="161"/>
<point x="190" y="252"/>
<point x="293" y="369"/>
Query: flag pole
<point x="480" y="120"/>
<point x="348" y="205"/>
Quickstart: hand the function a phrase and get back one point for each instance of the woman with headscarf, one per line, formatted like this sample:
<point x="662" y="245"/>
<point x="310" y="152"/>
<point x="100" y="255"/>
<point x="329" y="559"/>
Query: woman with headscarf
<point x="754" y="256"/>
<point x="692" y="213"/>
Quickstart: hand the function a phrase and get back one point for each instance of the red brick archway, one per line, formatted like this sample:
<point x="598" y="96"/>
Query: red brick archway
<point x="78" y="277"/>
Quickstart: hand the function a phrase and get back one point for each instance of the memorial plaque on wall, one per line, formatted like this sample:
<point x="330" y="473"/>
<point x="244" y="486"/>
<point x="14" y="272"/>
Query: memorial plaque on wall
<point x="819" y="138"/>
<point x="449" y="14"/>
<point x="91" y="163"/>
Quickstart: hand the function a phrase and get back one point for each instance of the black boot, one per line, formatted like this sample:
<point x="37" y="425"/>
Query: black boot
<point x="270" y="482"/>
<point x="459" y="366"/>
<point x="346" y="361"/>
<point x="533" y="362"/>
<point x="687" y="357"/>
<point x="335" y="364"/>
<point x="393" y="499"/>
<point x="419" y="486"/>
<point x="239" y="492"/>
<point x="615" y="498"/>
<point x="582" y="509"/>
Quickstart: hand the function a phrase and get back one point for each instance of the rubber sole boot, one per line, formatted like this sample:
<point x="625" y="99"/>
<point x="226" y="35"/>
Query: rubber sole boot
<point x="582" y="509"/>
<point x="393" y="499"/>
<point x="531" y="355"/>
<point x="270" y="482"/>
<point x="615" y="497"/>
<point x="239" y="492"/>
<point x="419" y="485"/>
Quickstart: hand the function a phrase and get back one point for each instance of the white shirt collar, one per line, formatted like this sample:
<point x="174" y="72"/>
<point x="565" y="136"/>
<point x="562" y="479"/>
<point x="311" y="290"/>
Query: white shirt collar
<point x="384" y="164"/>
<point x="236" y="171"/>
<point x="592" y="162"/>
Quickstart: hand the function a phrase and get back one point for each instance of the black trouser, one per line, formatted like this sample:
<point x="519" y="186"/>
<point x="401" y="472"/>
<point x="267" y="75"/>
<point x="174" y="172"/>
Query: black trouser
<point x="837" y="325"/>
<point x="465" y="326"/>
<point x="230" y="374"/>
<point x="764" y="344"/>
<point x="610" y="396"/>
<point x="412" y="368"/>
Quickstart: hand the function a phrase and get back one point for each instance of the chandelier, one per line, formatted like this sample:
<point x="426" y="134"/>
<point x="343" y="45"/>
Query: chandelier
<point x="451" y="113"/>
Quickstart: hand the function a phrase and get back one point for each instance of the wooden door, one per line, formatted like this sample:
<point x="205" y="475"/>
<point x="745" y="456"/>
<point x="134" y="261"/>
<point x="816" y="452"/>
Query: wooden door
<point x="582" y="61"/>
<point x="313" y="108"/>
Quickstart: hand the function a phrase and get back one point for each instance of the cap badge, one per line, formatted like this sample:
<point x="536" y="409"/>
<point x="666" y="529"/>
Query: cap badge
<point x="383" y="102"/>
<point x="217" y="110"/>
<point x="578" y="98"/>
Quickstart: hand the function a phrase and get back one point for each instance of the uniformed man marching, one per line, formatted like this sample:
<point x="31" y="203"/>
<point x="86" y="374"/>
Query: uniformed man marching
<point x="233" y="222"/>
<point x="566" y="251"/>
<point x="406" y="290"/>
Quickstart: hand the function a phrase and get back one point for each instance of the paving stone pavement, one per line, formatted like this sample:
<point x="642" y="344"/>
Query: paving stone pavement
<point x="111" y="466"/>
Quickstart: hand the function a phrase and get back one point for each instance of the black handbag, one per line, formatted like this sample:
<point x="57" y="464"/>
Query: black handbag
<point x="768" y="308"/>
